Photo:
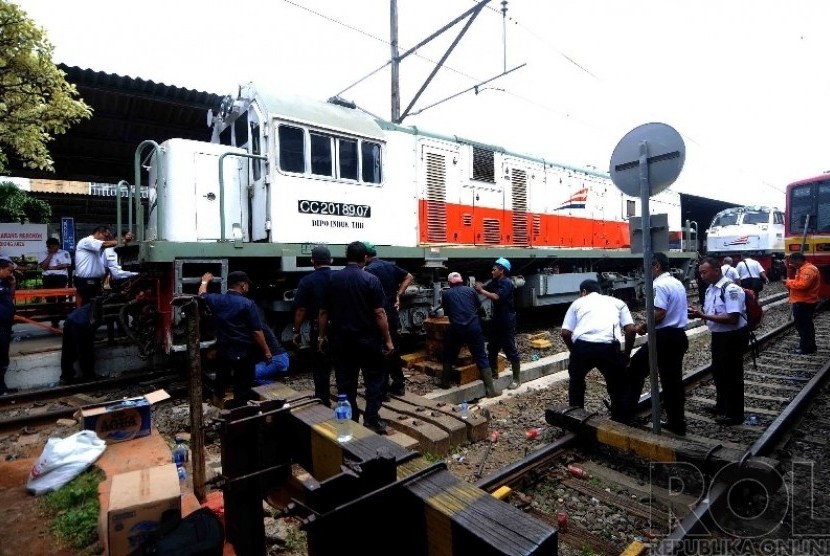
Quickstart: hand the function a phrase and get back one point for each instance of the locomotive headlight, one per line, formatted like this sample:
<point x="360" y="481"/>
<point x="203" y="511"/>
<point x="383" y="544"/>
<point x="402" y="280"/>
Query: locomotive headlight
<point x="763" y="226"/>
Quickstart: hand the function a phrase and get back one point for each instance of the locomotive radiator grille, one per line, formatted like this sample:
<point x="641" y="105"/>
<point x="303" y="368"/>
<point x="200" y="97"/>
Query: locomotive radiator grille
<point x="436" y="173"/>
<point x="492" y="230"/>
<point x="519" y="182"/>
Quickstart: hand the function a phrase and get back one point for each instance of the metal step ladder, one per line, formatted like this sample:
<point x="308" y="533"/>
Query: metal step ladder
<point x="189" y="273"/>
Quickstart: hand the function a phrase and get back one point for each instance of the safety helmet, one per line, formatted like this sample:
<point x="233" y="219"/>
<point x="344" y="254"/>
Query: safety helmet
<point x="504" y="263"/>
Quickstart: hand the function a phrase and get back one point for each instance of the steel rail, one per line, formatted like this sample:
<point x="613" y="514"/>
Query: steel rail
<point x="541" y="457"/>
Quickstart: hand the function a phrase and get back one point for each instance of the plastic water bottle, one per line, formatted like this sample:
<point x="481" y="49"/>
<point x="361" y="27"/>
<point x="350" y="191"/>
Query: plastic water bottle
<point x="343" y="416"/>
<point x="180" y="458"/>
<point x="464" y="410"/>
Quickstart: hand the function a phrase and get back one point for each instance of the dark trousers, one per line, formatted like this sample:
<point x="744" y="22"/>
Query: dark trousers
<point x="352" y="355"/>
<point x="728" y="350"/>
<point x="78" y="345"/>
<point x="55" y="281"/>
<point x="239" y="370"/>
<point x="471" y="335"/>
<point x="5" y="341"/>
<point x="671" y="347"/>
<point x="88" y="288"/>
<point x="803" y="320"/>
<point x="608" y="360"/>
<point x="320" y="368"/>
<point x="393" y="364"/>
<point x="502" y="337"/>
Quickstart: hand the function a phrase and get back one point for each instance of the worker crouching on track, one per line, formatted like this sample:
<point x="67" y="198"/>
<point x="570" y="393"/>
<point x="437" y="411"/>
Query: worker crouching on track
<point x="590" y="332"/>
<point x="461" y="305"/>
<point x="240" y="342"/>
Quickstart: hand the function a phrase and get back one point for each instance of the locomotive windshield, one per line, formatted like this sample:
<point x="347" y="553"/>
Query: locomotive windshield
<point x="756" y="216"/>
<point x="726" y="218"/>
<point x="811" y="199"/>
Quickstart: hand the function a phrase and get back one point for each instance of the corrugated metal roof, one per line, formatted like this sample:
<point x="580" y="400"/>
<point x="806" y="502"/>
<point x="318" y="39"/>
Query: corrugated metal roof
<point x="126" y="111"/>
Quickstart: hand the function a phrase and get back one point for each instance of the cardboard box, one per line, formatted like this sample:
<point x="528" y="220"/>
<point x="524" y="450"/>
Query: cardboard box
<point x="138" y="499"/>
<point x="123" y="419"/>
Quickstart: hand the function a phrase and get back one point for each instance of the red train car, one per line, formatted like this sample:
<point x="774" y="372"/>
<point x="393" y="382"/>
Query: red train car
<point x="807" y="224"/>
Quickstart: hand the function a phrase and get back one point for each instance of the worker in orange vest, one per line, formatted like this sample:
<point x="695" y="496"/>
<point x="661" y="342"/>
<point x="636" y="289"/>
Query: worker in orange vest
<point x="803" y="298"/>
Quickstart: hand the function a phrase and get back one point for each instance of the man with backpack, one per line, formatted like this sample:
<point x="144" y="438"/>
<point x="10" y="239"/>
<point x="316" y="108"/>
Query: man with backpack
<point x="752" y="275"/>
<point x="804" y="289"/>
<point x="724" y="312"/>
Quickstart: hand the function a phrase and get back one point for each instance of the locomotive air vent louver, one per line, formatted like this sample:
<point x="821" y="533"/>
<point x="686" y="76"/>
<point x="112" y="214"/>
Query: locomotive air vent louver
<point x="467" y="219"/>
<point x="519" y="223"/>
<point x="436" y="171"/>
<point x="492" y="230"/>
<point x="537" y="224"/>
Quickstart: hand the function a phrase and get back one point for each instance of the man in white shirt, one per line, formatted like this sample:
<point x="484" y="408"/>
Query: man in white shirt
<point x="89" y="263"/>
<point x="590" y="330"/>
<point x="752" y="275"/>
<point x="117" y="274"/>
<point x="729" y="271"/>
<point x="671" y="317"/>
<point x="55" y="263"/>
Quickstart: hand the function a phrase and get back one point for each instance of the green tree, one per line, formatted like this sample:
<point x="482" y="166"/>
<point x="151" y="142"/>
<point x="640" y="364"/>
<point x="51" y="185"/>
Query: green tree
<point x="17" y="206"/>
<point x="36" y="102"/>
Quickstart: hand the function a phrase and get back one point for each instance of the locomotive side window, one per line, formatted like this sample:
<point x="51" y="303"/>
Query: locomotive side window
<point x="370" y="162"/>
<point x="292" y="149"/>
<point x="778" y="218"/>
<point x="240" y="129"/>
<point x="801" y="204"/>
<point x="347" y="159"/>
<point x="630" y="208"/>
<point x="225" y="136"/>
<point x="321" y="155"/>
<point x="484" y="165"/>
<point x="823" y="204"/>
<point x="256" y="149"/>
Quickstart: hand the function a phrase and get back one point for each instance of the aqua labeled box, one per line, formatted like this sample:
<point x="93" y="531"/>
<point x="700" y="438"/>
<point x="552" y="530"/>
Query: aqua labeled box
<point x="123" y="419"/>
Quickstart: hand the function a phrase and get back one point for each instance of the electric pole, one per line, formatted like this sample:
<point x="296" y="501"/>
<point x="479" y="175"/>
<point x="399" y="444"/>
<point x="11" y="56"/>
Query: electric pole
<point x="396" y="62"/>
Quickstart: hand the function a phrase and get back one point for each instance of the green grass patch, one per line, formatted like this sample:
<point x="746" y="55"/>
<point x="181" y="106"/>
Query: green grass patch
<point x="74" y="508"/>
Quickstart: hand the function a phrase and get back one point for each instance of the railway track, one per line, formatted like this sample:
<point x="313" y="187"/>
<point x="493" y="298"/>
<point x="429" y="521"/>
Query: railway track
<point x="785" y="408"/>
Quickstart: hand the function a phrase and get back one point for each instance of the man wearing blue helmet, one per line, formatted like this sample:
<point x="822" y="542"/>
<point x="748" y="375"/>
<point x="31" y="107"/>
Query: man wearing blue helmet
<point x="502" y="335"/>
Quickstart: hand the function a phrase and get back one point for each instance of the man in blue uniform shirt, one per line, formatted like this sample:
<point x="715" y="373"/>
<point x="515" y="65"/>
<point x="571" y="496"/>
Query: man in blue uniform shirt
<point x="461" y="304"/>
<point x="311" y="291"/>
<point x="240" y="342"/>
<point x="354" y="319"/>
<point x="394" y="280"/>
<point x="503" y="328"/>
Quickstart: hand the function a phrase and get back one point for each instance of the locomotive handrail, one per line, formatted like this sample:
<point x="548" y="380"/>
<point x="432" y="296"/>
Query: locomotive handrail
<point x="139" y="212"/>
<point x="222" y="186"/>
<point x="118" y="208"/>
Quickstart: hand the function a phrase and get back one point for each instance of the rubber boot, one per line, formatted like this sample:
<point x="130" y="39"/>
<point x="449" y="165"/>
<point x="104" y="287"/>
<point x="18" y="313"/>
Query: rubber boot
<point x="517" y="374"/>
<point x="446" y="376"/>
<point x="489" y="387"/>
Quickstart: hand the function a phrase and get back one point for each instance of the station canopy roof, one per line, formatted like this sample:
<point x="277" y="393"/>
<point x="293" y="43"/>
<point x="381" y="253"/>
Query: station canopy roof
<point x="126" y="111"/>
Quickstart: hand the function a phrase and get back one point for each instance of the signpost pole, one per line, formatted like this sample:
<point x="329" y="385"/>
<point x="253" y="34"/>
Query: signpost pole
<point x="645" y="193"/>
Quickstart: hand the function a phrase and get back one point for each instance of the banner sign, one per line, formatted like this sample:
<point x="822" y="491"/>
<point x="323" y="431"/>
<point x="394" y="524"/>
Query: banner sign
<point x="18" y="240"/>
<point x="68" y="233"/>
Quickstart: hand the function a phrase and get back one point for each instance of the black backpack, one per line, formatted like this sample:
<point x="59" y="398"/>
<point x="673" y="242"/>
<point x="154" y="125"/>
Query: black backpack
<point x="199" y="534"/>
<point x="754" y="316"/>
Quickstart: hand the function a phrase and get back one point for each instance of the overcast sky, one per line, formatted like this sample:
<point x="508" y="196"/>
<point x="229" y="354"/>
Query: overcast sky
<point x="744" y="82"/>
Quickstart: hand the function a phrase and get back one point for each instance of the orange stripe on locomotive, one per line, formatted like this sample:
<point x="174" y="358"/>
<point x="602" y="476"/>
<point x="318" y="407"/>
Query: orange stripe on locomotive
<point x="442" y="223"/>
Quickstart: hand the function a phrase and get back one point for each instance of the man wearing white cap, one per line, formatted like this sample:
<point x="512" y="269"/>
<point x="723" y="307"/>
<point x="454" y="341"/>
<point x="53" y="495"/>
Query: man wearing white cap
<point x="461" y="304"/>
<point x="503" y="329"/>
